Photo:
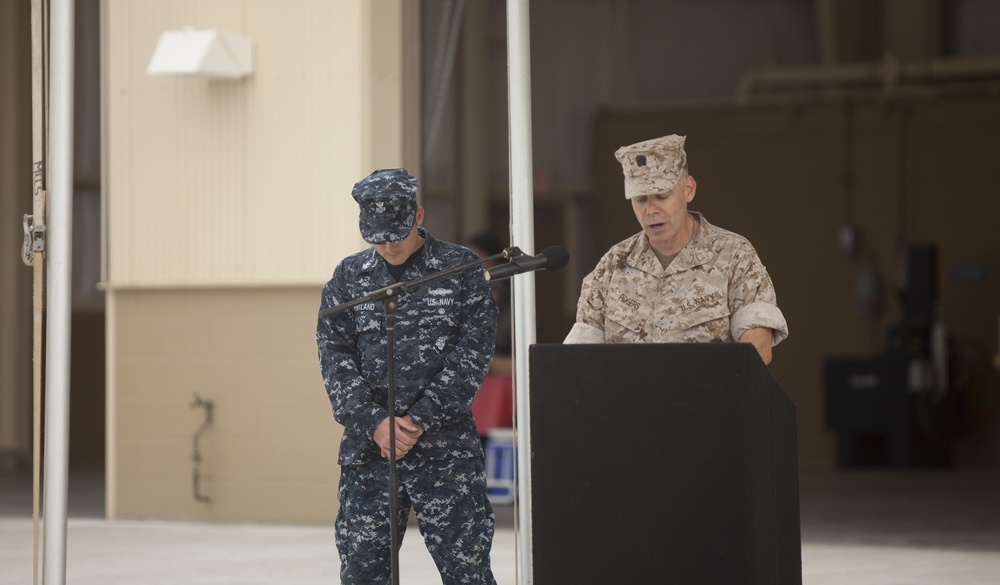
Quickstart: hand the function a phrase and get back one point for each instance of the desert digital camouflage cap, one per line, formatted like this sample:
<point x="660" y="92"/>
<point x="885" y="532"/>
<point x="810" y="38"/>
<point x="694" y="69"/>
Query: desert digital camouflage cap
<point x="653" y="166"/>
<point x="388" y="202"/>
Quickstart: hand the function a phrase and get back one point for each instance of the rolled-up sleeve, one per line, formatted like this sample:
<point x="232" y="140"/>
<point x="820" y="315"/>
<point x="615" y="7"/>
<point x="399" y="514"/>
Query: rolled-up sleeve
<point x="752" y="299"/>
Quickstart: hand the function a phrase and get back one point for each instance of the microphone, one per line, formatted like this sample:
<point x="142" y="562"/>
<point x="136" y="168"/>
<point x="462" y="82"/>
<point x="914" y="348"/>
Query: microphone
<point x="551" y="258"/>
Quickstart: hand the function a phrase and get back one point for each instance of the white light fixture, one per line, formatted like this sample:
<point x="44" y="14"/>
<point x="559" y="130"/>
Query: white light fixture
<point x="202" y="53"/>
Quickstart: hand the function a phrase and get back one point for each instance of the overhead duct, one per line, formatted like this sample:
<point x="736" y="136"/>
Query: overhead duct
<point x="889" y="76"/>
<point x="888" y="46"/>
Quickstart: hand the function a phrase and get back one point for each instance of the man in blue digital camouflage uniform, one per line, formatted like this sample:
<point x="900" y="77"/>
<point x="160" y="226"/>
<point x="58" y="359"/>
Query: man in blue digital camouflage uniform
<point x="444" y="337"/>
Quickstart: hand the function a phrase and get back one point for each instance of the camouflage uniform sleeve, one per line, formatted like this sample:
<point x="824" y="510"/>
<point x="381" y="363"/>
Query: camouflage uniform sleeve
<point x="339" y="358"/>
<point x="449" y="394"/>
<point x="752" y="299"/>
<point x="589" y="326"/>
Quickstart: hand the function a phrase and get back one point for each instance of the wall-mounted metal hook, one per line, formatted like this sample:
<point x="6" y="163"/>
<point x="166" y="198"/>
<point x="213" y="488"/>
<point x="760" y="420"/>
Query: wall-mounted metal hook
<point x="208" y="405"/>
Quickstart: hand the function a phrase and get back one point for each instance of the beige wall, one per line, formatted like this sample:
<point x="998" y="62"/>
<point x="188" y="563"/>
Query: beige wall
<point x="247" y="181"/>
<point x="270" y="453"/>
<point x="227" y="205"/>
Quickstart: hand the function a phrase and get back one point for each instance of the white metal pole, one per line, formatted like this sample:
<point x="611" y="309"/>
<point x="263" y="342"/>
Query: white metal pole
<point x="59" y="247"/>
<point x="522" y="232"/>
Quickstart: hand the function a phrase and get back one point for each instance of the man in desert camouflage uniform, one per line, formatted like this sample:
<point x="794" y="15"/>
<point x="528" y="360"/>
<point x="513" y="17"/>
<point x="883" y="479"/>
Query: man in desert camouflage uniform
<point x="444" y="337"/>
<point x="681" y="279"/>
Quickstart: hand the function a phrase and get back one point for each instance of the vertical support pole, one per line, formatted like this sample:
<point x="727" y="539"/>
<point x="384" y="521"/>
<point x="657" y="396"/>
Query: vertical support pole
<point x="522" y="231"/>
<point x="38" y="128"/>
<point x="59" y="256"/>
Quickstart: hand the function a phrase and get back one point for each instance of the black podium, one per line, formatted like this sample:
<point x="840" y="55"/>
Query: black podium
<point x="662" y="463"/>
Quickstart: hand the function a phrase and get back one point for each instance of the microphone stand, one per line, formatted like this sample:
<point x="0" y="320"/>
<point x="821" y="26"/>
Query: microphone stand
<point x="390" y="304"/>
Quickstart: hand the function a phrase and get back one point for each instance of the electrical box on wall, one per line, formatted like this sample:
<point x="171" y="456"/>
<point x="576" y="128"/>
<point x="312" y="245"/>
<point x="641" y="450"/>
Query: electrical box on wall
<point x="207" y="53"/>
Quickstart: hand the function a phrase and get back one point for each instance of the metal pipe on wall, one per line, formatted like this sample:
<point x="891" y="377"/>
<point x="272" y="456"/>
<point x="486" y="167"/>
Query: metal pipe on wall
<point x="888" y="74"/>
<point x="522" y="232"/>
<point x="59" y="306"/>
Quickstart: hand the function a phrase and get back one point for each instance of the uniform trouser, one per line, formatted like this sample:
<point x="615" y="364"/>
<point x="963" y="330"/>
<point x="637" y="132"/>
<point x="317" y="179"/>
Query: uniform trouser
<point x="453" y="515"/>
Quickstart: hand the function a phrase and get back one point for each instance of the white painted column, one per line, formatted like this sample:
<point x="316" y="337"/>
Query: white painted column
<point x="59" y="241"/>
<point x="522" y="231"/>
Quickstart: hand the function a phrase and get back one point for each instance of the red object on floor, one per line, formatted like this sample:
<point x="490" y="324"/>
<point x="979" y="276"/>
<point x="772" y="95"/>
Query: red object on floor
<point x="494" y="404"/>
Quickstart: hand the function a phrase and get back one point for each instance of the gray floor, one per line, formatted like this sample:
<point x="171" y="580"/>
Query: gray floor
<point x="877" y="527"/>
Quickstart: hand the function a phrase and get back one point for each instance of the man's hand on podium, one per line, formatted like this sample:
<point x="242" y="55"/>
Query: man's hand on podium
<point x="760" y="337"/>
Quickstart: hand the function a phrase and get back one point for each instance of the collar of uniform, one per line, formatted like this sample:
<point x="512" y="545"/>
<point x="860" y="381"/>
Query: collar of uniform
<point x="371" y="260"/>
<point x="699" y="250"/>
<point x="430" y="257"/>
<point x="695" y="253"/>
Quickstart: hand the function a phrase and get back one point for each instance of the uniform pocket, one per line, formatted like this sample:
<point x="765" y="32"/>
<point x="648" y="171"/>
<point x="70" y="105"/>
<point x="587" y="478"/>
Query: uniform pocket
<point x="624" y="320"/>
<point x="706" y="324"/>
<point x="436" y="335"/>
<point x="368" y="318"/>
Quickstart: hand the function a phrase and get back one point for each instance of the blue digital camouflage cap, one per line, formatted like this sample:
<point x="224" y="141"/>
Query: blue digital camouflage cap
<point x="388" y="202"/>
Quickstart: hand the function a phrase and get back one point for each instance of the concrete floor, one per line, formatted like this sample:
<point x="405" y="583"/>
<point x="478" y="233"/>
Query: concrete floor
<point x="875" y="527"/>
